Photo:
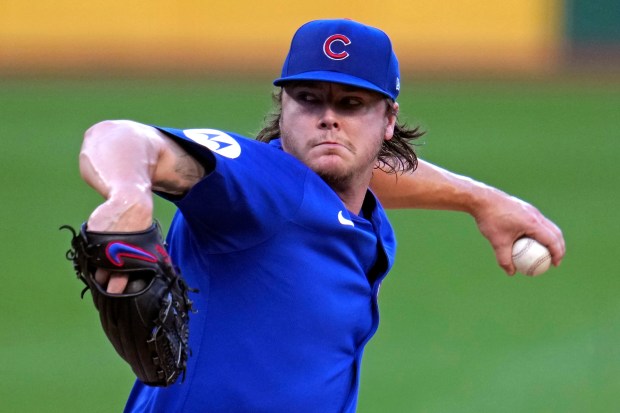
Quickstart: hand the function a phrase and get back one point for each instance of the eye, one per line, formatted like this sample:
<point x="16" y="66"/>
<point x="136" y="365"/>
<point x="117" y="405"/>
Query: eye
<point x="307" y="97"/>
<point x="351" y="102"/>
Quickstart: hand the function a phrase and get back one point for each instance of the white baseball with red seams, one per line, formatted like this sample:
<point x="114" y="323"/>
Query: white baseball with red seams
<point x="530" y="257"/>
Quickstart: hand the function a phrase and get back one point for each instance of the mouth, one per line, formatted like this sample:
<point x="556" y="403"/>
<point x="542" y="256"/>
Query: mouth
<point x="327" y="144"/>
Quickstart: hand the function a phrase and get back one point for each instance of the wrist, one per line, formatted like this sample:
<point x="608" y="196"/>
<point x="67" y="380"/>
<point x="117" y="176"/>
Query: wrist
<point x="123" y="211"/>
<point x="484" y="200"/>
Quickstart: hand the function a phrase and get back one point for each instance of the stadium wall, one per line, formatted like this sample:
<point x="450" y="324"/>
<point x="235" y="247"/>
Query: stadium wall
<point x="194" y="35"/>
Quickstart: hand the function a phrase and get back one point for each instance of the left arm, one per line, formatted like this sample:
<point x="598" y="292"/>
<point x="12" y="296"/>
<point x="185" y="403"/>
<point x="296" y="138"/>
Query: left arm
<point x="501" y="218"/>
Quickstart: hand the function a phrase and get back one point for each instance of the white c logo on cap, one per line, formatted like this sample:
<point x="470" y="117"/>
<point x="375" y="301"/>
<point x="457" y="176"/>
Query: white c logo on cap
<point x="327" y="46"/>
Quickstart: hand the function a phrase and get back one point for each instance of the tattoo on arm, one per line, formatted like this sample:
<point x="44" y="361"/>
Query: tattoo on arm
<point x="183" y="174"/>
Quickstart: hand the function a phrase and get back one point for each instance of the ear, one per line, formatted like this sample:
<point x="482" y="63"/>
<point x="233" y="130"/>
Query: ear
<point x="392" y="115"/>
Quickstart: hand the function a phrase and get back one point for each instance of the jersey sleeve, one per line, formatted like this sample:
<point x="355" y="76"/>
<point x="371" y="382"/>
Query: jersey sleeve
<point x="250" y="190"/>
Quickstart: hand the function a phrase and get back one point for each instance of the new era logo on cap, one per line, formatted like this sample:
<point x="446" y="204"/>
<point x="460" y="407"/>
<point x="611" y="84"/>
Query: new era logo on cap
<point x="342" y="51"/>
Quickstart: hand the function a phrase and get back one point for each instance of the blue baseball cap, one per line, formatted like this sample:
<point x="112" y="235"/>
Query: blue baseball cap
<point x="342" y="51"/>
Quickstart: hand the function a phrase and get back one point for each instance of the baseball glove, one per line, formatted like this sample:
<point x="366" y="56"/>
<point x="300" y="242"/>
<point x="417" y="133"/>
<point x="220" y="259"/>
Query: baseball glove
<point x="148" y="323"/>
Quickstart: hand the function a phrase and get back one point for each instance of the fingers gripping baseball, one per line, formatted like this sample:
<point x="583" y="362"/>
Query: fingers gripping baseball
<point x="509" y="219"/>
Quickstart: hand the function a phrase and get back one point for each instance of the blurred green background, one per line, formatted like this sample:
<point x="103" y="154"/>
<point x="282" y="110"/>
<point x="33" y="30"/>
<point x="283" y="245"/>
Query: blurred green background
<point x="521" y="94"/>
<point x="457" y="335"/>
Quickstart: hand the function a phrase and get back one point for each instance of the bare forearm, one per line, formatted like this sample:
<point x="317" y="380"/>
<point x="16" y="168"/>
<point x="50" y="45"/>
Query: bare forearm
<point x="431" y="187"/>
<point x="501" y="218"/>
<point x="124" y="161"/>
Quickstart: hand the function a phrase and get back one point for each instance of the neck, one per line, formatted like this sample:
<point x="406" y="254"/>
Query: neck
<point x="353" y="203"/>
<point x="351" y="194"/>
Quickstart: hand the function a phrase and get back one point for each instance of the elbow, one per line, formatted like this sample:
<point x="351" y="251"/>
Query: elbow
<point x="107" y="127"/>
<point x="98" y="146"/>
<point x="118" y="148"/>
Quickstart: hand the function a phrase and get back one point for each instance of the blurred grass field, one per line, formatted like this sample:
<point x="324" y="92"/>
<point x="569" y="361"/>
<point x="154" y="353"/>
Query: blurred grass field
<point x="456" y="335"/>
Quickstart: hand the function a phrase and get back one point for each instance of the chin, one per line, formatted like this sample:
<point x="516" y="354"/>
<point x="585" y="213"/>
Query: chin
<point x="329" y="167"/>
<point x="336" y="178"/>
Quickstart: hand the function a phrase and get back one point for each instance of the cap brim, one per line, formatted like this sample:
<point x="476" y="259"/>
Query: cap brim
<point x="332" y="77"/>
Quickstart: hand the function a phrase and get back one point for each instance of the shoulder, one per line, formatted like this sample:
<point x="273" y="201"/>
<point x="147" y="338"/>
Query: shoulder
<point x="205" y="142"/>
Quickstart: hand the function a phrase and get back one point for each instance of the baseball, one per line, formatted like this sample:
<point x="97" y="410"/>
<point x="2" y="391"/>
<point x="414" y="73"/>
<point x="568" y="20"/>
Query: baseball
<point x="530" y="257"/>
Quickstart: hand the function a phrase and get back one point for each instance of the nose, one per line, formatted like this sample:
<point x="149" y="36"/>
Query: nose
<point x="329" y="120"/>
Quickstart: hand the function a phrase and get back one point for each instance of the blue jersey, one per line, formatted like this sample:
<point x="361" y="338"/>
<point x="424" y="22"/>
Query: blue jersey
<point x="288" y="282"/>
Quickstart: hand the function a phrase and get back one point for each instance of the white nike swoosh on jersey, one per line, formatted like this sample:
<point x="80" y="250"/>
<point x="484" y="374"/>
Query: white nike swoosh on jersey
<point x="343" y="220"/>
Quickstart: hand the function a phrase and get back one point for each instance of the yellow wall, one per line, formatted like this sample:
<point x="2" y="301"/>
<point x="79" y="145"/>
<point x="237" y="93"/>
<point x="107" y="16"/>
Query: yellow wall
<point x="519" y="35"/>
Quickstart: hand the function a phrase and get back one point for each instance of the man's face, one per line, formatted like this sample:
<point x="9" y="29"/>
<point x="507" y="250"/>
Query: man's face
<point x="336" y="130"/>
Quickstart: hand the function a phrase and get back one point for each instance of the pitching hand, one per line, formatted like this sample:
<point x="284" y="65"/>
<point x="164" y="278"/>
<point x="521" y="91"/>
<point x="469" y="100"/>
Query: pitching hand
<point x="503" y="219"/>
